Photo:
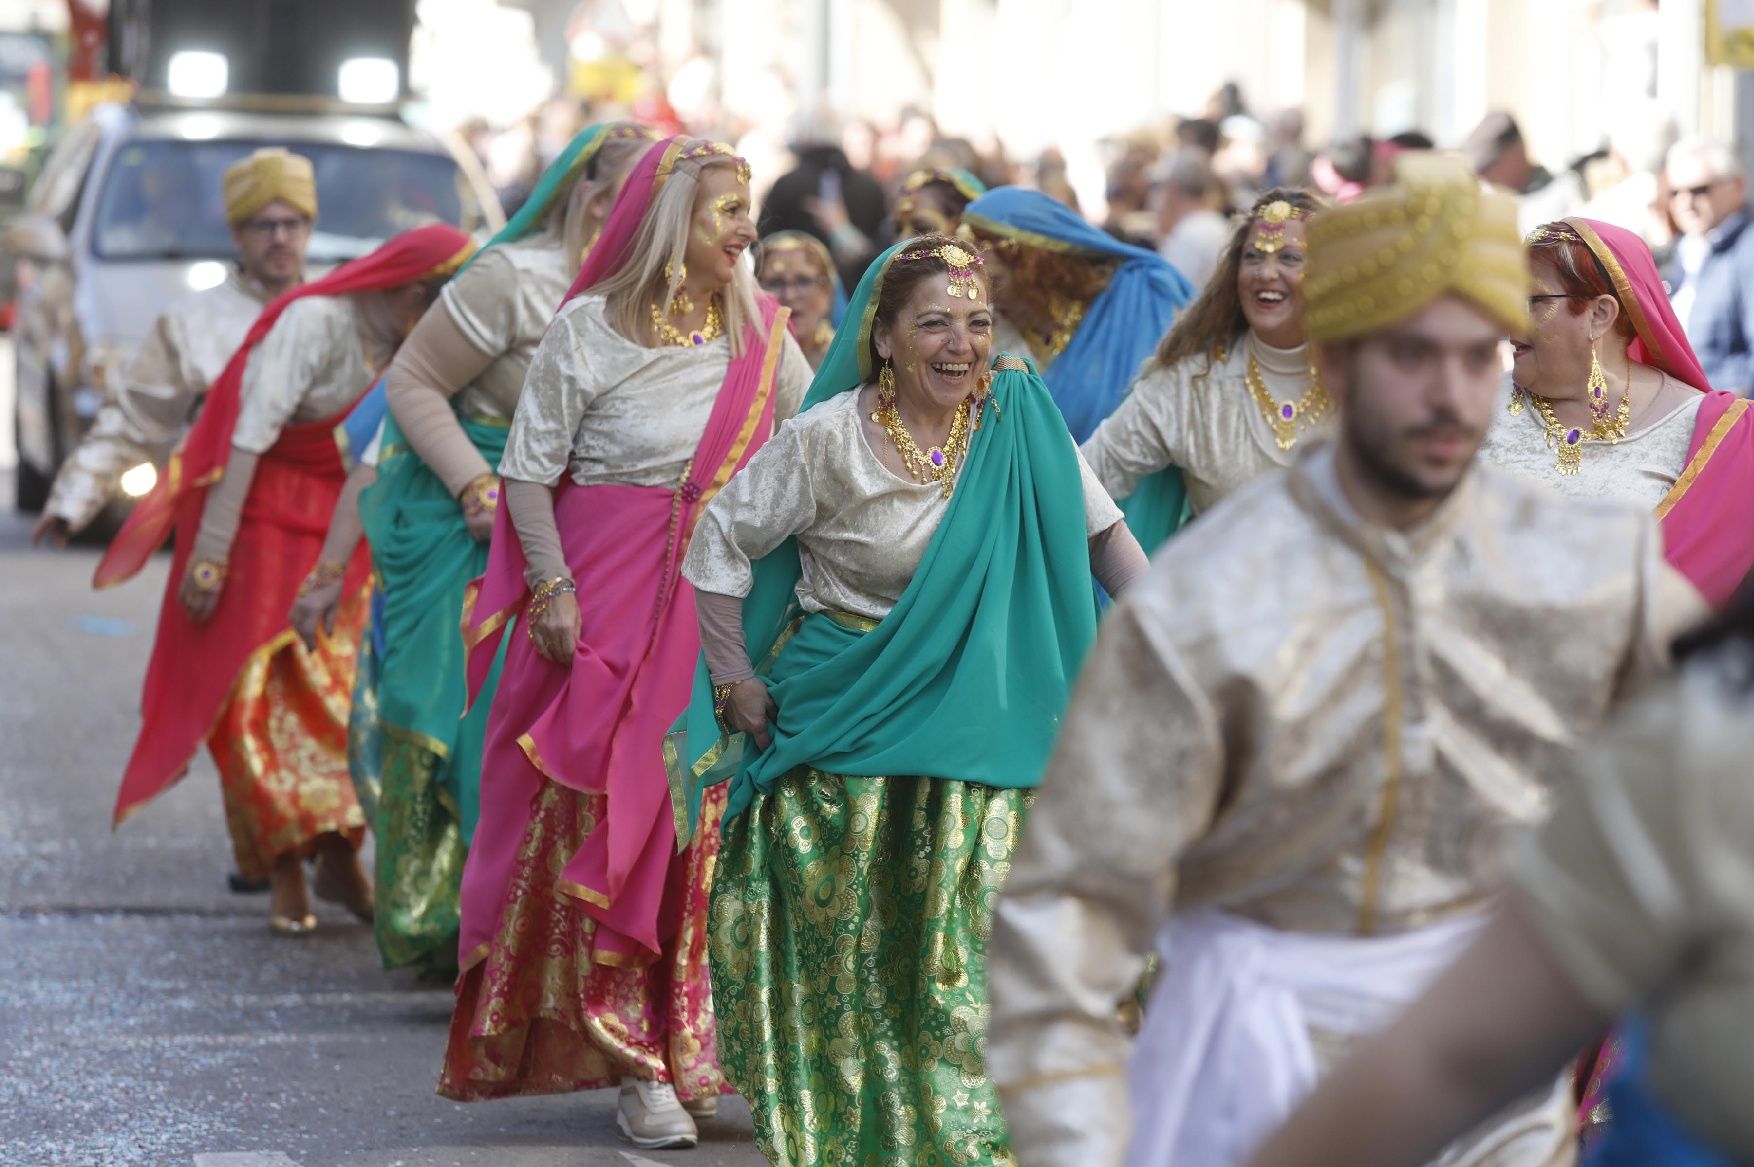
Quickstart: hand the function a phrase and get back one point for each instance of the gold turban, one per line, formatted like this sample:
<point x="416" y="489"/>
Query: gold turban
<point x="269" y="174"/>
<point x="1435" y="230"/>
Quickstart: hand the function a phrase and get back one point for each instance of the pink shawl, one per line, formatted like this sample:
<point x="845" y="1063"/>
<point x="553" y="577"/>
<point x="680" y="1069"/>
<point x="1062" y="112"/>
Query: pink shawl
<point x="599" y="725"/>
<point x="1707" y="530"/>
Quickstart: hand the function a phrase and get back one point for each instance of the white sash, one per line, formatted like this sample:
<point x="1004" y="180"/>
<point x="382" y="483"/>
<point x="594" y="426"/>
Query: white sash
<point x="1224" y="1056"/>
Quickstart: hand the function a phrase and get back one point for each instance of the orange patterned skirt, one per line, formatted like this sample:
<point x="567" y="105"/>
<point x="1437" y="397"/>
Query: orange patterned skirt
<point x="281" y="745"/>
<point x="536" y="1014"/>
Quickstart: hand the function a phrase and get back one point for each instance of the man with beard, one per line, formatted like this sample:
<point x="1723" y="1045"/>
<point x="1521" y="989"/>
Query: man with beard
<point x="1297" y="747"/>
<point x="270" y="202"/>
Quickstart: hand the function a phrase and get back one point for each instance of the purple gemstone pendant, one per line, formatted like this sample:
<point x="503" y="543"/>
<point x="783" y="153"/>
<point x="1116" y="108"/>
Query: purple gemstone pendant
<point x="1288" y="410"/>
<point x="1572" y="437"/>
<point x="697" y="339"/>
<point x="937" y="457"/>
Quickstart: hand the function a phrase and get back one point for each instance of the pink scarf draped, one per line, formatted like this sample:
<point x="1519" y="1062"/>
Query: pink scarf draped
<point x="1707" y="530"/>
<point x="599" y="725"/>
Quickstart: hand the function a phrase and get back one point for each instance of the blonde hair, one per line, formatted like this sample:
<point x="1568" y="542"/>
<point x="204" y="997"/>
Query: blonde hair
<point x="661" y="243"/>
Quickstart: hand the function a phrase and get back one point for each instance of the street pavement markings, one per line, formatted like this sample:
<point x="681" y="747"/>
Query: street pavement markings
<point x="639" y="1161"/>
<point x="245" y="1159"/>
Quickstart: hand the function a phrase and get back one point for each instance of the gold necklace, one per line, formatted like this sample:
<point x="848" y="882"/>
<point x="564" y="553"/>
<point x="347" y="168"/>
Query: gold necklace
<point x="1287" y="417"/>
<point x="1051" y="343"/>
<point x="668" y="334"/>
<point x="1567" y="441"/>
<point x="937" y="464"/>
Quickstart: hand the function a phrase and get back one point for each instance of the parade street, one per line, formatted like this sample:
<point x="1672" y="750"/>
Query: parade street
<point x="151" y="1019"/>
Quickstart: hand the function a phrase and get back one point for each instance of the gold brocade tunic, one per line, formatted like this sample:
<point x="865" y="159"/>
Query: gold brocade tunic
<point x="1203" y="421"/>
<point x="149" y="406"/>
<point x="1313" y="723"/>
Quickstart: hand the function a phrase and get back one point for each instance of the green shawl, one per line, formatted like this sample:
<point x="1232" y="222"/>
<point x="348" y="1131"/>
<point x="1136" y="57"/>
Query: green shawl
<point x="968" y="676"/>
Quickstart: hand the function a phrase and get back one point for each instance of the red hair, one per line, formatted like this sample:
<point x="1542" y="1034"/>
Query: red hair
<point x="1579" y="274"/>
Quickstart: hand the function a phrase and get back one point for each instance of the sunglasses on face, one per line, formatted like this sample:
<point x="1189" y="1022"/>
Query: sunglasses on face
<point x="1697" y="192"/>
<point x="780" y="285"/>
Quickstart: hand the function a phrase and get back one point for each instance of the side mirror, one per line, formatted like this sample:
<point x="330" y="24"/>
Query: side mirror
<point x="35" y="237"/>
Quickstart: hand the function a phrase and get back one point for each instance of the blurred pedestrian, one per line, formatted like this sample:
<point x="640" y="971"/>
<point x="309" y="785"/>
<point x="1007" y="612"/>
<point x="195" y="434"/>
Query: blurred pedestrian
<point x="250" y="494"/>
<point x="661" y="374"/>
<point x="1287" y="725"/>
<point x="1501" y="156"/>
<point x="1192" y="227"/>
<point x="932" y="201"/>
<point x="270" y="203"/>
<point x="1232" y="386"/>
<point x="924" y="555"/>
<point x="1636" y="899"/>
<point x="796" y="269"/>
<point x="827" y="197"/>
<point x="1712" y="276"/>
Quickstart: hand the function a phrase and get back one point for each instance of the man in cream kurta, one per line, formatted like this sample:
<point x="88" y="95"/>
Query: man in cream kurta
<point x="270" y="202"/>
<point x="1297" y="748"/>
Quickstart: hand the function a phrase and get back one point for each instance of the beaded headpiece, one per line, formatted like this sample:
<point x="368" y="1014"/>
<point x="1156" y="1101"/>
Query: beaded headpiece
<point x="1270" y="223"/>
<point x="1551" y="233"/>
<point x="962" y="265"/>
<point x="668" y="165"/>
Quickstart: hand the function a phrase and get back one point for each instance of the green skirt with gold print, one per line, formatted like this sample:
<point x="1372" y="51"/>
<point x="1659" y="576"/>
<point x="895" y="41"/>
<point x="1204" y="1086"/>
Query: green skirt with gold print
<point x="849" y="955"/>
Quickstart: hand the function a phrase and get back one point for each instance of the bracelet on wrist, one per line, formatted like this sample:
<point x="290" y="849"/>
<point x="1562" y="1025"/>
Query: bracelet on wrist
<point x="722" y="704"/>
<point x="480" y="496"/>
<point x="544" y="594"/>
<point x="322" y="575"/>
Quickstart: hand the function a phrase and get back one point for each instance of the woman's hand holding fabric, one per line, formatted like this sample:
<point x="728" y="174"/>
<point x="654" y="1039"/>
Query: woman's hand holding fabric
<point x="318" y="601"/>
<point x="555" y="629"/>
<point x="750" y="709"/>
<point x="203" y="583"/>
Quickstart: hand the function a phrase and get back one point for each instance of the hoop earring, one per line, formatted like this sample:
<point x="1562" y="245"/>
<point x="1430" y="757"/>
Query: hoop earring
<point x="1597" y="385"/>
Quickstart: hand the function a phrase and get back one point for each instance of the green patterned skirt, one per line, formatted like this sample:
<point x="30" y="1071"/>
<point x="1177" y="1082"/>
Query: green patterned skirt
<point x="850" y="919"/>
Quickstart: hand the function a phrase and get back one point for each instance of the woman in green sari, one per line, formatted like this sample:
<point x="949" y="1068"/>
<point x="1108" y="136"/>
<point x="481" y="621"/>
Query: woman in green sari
<point x="910" y="563"/>
<point x="451" y="393"/>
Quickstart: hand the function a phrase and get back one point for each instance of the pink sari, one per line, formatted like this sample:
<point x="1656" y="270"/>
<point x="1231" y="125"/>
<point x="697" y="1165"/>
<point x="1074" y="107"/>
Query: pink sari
<point x="611" y="886"/>
<point x="1707" y="531"/>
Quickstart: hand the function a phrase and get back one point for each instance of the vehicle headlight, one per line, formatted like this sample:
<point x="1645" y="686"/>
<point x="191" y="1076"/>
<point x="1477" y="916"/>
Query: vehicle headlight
<point x="197" y="74"/>
<point x="369" y="81"/>
<point x="138" y="481"/>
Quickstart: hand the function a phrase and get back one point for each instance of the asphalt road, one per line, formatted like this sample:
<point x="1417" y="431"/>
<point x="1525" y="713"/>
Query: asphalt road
<point x="147" y="1016"/>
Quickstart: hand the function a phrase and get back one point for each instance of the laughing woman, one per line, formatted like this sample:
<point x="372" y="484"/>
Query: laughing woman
<point x="886" y="559"/>
<point x="1232" y="388"/>
<point x="583" y="925"/>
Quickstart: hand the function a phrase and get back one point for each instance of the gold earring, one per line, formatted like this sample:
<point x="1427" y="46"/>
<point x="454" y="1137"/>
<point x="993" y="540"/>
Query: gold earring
<point x="1597" y="386"/>
<point x="680" y="303"/>
<point x="886" y="382"/>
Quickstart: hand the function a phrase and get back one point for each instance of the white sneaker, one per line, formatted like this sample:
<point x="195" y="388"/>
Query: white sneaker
<point x="650" y="1117"/>
<point x="707" y="1107"/>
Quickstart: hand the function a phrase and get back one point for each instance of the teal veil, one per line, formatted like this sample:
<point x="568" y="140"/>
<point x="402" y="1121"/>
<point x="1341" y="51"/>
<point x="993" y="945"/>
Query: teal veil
<point x="969" y="674"/>
<point x="1120" y="330"/>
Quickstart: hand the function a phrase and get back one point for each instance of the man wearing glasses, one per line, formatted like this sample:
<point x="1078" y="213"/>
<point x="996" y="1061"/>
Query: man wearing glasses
<point x="1711" y="282"/>
<point x="270" y="203"/>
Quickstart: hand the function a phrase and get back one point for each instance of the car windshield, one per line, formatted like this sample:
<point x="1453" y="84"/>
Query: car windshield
<point x="161" y="198"/>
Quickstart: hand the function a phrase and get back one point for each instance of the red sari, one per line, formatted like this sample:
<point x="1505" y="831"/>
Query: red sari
<point x="273" y="715"/>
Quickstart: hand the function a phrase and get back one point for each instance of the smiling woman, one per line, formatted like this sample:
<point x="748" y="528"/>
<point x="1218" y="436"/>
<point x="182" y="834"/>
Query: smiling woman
<point x="889" y="558"/>
<point x="1231" y="390"/>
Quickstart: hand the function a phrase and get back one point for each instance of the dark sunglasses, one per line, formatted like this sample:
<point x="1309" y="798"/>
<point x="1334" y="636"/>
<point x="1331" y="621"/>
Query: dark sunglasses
<point x="1697" y="192"/>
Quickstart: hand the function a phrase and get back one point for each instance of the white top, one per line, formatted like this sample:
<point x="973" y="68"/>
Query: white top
<point x="503" y="304"/>
<point x="1641" y="468"/>
<point x="311" y="365"/>
<point x="862" y="529"/>
<point x="1204" y="421"/>
<point x="606" y="409"/>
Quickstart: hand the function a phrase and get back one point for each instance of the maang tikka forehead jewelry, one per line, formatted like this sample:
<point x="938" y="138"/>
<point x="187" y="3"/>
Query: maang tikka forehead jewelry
<point x="962" y="265"/>
<point x="1270" y="223"/>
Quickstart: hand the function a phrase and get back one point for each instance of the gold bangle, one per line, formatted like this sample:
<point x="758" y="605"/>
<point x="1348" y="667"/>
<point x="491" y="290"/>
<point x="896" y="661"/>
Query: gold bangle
<point x="722" y="704"/>
<point x="208" y="575"/>
<point x="322" y="575"/>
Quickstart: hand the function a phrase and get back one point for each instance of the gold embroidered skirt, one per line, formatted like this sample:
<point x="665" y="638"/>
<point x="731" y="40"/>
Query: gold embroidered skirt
<point x="849" y="947"/>
<point x="281" y="746"/>
<point x="535" y="1014"/>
